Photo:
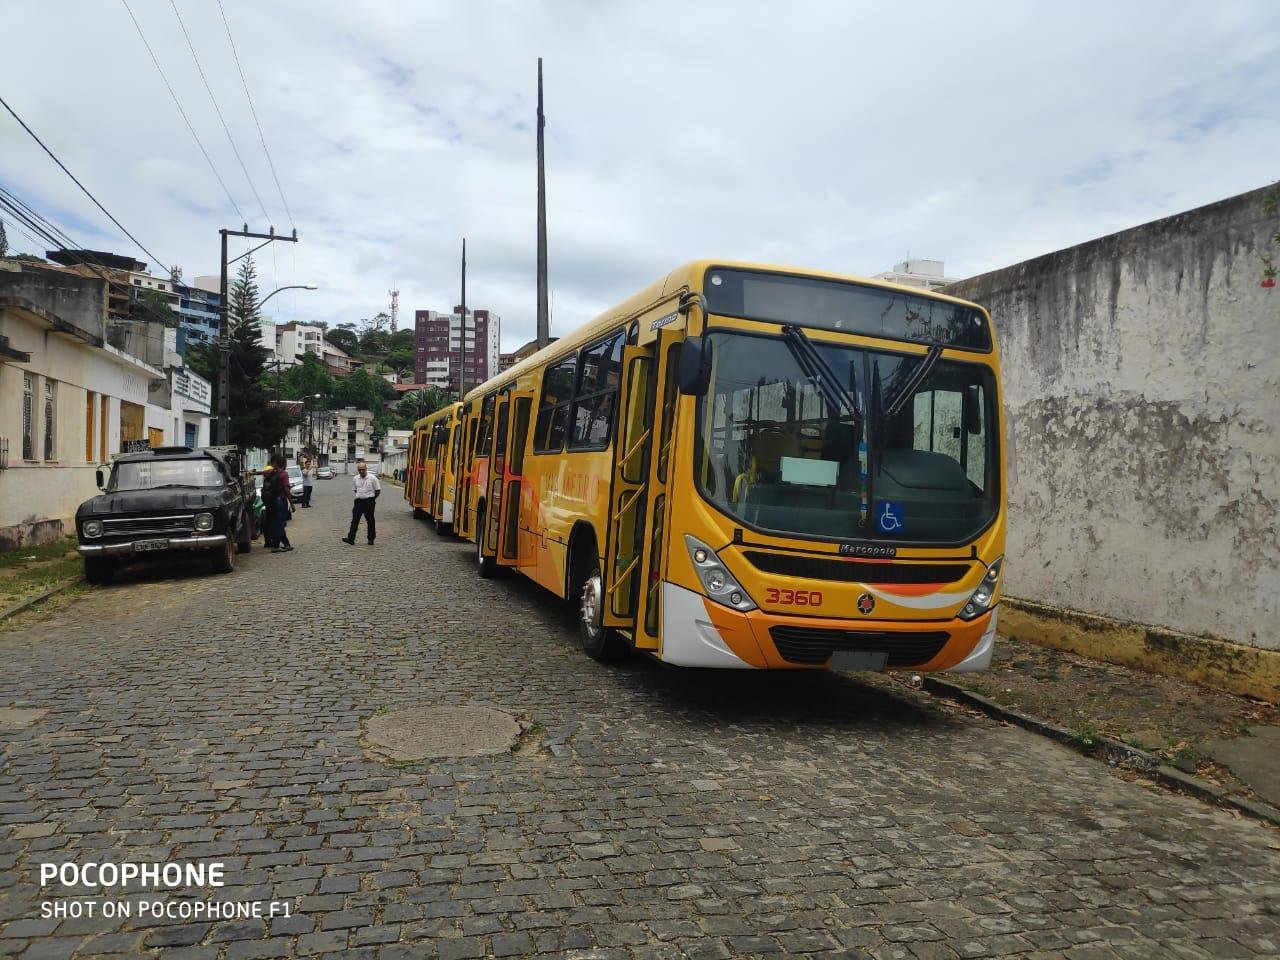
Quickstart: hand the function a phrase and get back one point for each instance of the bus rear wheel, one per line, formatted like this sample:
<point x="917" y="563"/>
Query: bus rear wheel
<point x="598" y="641"/>
<point x="486" y="567"/>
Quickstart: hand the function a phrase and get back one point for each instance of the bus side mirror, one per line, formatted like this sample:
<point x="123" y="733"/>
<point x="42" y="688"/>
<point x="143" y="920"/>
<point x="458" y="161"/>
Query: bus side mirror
<point x="972" y="410"/>
<point x="695" y="366"/>
<point x="101" y="480"/>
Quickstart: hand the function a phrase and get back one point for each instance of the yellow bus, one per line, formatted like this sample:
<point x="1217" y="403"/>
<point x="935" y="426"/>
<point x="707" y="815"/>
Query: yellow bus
<point x="754" y="466"/>
<point x="429" y="481"/>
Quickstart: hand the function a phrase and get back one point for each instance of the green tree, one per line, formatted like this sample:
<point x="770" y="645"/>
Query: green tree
<point x="306" y="379"/>
<point x="374" y="343"/>
<point x="363" y="391"/>
<point x="4" y="240"/>
<point x="243" y="297"/>
<point x="344" y="339"/>
<point x="417" y="404"/>
<point x="151" y="306"/>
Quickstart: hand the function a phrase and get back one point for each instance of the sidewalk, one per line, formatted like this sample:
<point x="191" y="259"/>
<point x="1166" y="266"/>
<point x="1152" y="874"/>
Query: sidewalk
<point x="1230" y="742"/>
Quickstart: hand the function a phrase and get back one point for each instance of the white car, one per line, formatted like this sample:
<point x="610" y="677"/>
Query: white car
<point x="295" y="480"/>
<point x="324" y="473"/>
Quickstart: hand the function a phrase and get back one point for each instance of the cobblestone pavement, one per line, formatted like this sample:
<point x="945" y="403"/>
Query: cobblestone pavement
<point x="652" y="813"/>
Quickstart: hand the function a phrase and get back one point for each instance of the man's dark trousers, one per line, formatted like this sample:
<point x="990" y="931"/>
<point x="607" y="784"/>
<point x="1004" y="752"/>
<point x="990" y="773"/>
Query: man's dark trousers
<point x="363" y="508"/>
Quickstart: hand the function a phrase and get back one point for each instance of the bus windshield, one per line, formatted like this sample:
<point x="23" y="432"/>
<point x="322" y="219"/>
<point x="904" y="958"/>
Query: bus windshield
<point x="913" y="458"/>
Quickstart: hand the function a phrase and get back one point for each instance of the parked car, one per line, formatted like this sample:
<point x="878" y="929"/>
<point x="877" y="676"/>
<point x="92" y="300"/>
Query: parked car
<point x="295" y="480"/>
<point x="165" y="502"/>
<point x="324" y="473"/>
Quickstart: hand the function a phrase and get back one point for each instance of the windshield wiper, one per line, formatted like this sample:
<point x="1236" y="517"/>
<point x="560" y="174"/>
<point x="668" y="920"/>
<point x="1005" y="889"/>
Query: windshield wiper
<point x="817" y="369"/>
<point x="914" y="381"/>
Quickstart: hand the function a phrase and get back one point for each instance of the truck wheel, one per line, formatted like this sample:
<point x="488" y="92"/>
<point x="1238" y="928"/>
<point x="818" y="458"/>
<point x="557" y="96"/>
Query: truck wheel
<point x="224" y="561"/>
<point x="99" y="569"/>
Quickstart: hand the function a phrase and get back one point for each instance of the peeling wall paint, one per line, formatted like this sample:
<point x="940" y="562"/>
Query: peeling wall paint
<point x="1142" y="394"/>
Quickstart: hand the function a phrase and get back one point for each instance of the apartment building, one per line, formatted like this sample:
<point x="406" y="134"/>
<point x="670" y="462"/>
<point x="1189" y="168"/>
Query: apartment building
<point x="438" y="347"/>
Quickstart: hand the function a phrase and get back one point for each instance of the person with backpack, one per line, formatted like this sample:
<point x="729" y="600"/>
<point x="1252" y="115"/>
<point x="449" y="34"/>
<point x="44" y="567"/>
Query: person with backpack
<point x="268" y="495"/>
<point x="284" y="506"/>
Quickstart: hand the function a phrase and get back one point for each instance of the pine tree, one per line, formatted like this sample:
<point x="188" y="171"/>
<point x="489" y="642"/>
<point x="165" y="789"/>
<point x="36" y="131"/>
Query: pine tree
<point x="243" y="297"/>
<point x="4" y="240"/>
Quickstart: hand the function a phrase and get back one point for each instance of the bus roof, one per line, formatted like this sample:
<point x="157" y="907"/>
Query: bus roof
<point x="686" y="276"/>
<point x="435" y="415"/>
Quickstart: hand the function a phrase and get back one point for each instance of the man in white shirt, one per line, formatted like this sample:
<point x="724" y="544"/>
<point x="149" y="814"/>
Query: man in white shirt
<point x="366" y="488"/>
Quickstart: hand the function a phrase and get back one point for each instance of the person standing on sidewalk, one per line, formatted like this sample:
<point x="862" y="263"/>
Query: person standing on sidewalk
<point x="366" y="488"/>
<point x="308" y="478"/>
<point x="284" y="507"/>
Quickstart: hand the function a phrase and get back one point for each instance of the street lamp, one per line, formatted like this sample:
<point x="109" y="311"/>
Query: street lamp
<point x="296" y="286"/>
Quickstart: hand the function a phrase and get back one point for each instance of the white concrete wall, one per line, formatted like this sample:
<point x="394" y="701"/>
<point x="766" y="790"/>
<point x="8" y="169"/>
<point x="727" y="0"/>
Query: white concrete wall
<point x="1142" y="396"/>
<point x="42" y="490"/>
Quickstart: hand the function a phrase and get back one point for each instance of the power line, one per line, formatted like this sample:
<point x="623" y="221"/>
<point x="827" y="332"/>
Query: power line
<point x="218" y="111"/>
<point x="177" y="103"/>
<point x="83" y="188"/>
<point x="254" y="111"/>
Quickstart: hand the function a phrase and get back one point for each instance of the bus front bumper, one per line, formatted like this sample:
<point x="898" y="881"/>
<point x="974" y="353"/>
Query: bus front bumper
<point x="699" y="633"/>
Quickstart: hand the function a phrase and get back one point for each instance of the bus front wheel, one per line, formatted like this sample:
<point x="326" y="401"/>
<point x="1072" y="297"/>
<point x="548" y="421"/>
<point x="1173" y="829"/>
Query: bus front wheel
<point x="598" y="641"/>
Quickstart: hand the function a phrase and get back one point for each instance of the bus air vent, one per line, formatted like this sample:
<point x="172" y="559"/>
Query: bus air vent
<point x="850" y="571"/>
<point x="810" y="645"/>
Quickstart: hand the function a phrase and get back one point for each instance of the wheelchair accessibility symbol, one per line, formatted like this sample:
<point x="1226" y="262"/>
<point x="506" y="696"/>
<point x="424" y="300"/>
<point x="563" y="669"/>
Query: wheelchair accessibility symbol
<point x="889" y="516"/>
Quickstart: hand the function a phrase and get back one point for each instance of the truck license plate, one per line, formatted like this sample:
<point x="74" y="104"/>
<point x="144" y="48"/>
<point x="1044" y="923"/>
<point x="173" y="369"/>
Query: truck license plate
<point x="142" y="546"/>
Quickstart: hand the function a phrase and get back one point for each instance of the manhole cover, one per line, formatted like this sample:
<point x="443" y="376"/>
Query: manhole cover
<point x="426" y="733"/>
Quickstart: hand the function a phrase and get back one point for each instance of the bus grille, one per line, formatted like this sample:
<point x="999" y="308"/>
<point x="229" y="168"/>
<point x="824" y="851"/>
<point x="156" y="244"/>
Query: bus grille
<point x="811" y="645"/>
<point x="822" y="568"/>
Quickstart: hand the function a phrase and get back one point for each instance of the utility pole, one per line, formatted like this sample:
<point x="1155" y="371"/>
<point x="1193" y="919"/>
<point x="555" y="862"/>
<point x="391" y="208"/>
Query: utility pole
<point x="544" y="317"/>
<point x="224" y="332"/>
<point x="462" y="365"/>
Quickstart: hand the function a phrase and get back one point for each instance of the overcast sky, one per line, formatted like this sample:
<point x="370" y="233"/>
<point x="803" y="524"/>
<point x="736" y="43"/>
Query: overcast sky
<point x="844" y="135"/>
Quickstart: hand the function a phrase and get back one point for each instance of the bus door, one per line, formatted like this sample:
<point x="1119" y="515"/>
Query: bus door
<point x="507" y="544"/>
<point x="462" y="507"/>
<point x="496" y="495"/>
<point x="642" y="451"/>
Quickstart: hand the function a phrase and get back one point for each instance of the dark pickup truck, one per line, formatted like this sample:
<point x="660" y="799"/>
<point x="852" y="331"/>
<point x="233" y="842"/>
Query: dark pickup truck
<point x="164" y="502"/>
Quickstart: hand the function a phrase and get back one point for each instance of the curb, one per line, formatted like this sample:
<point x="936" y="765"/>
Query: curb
<point x="17" y="608"/>
<point x="1109" y="749"/>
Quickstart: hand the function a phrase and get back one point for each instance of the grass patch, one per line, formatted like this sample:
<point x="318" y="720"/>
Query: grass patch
<point x="1087" y="738"/>
<point x="29" y="571"/>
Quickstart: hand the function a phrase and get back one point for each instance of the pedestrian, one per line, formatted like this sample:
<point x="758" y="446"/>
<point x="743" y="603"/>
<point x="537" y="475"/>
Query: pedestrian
<point x="366" y="488"/>
<point x="308" y="478"/>
<point x="284" y="507"/>
<point x="268" y="495"/>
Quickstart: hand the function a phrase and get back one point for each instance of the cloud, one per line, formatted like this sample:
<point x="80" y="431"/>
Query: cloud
<point x="841" y="136"/>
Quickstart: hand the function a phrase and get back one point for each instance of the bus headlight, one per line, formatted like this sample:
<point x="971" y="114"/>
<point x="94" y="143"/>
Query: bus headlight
<point x="980" y="602"/>
<point x="717" y="581"/>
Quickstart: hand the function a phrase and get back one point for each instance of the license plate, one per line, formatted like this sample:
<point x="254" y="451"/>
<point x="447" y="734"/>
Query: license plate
<point x="143" y="546"/>
<point x="859" y="660"/>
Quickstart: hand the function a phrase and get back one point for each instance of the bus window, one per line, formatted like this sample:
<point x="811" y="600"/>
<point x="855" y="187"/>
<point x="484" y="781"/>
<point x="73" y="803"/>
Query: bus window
<point x="553" y="407"/>
<point x="597" y="395"/>
<point x="486" y="427"/>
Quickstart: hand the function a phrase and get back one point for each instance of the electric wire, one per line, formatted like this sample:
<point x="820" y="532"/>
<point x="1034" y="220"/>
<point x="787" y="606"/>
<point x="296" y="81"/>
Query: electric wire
<point x="177" y="103"/>
<point x="76" y="181"/>
<point x="253" y="110"/>
<point x="218" y="111"/>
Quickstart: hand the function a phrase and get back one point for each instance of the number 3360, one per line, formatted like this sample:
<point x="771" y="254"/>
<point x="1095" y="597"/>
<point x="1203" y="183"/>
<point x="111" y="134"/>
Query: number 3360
<point x="798" y="598"/>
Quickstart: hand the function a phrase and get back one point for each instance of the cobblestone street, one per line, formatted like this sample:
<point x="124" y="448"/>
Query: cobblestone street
<point x="647" y="813"/>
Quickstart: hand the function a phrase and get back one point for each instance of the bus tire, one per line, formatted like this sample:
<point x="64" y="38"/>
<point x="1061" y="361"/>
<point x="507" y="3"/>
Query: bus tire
<point x="419" y="513"/>
<point x="486" y="567"/>
<point x="598" y="641"/>
<point x="443" y="529"/>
